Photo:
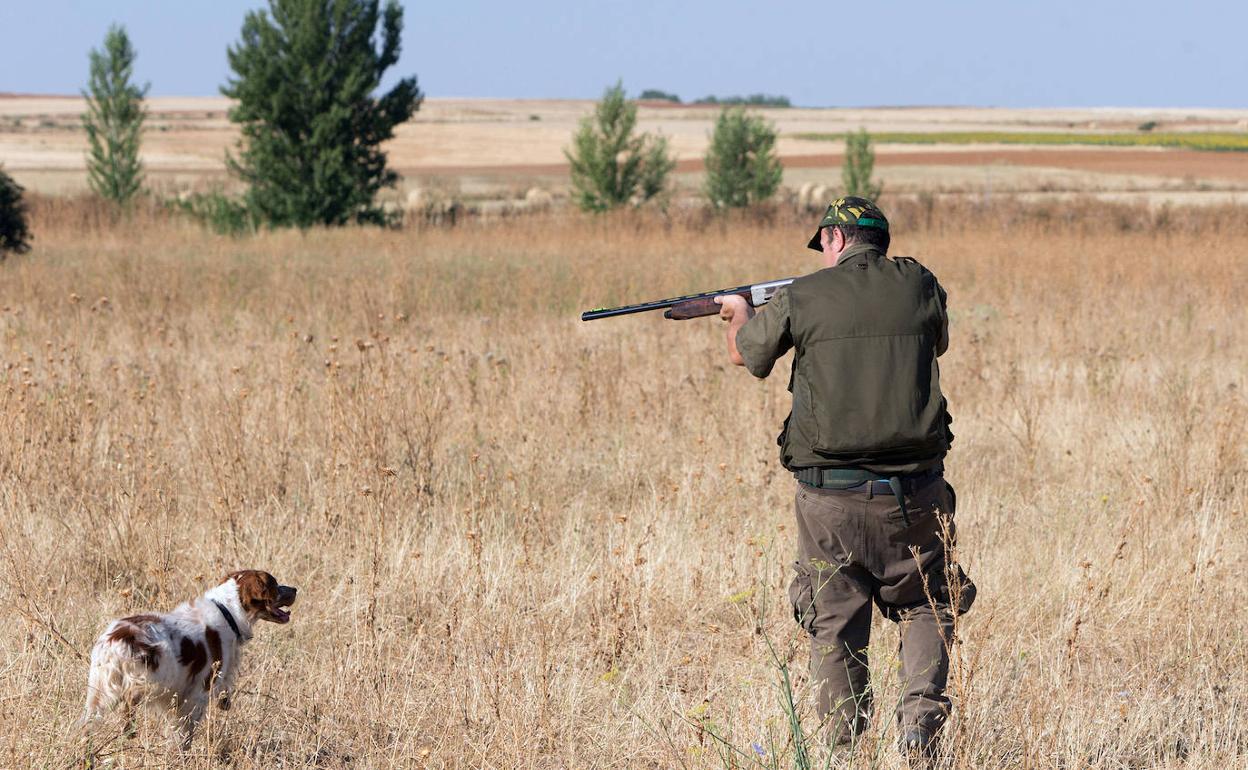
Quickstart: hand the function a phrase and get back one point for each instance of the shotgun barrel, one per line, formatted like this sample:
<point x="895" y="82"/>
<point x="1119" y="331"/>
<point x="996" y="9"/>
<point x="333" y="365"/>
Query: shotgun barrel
<point x="693" y="305"/>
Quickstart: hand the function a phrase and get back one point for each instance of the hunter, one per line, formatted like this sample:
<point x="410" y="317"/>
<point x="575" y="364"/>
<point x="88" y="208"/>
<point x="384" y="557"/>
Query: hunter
<point x="866" y="439"/>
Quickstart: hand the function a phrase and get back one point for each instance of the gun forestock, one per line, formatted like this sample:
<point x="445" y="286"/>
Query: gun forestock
<point x="699" y="308"/>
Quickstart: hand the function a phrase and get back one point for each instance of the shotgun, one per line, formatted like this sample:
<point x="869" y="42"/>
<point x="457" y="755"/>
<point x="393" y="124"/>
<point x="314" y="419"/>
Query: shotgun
<point x="693" y="305"/>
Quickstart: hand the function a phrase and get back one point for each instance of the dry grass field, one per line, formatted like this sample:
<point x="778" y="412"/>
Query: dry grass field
<point x="522" y="541"/>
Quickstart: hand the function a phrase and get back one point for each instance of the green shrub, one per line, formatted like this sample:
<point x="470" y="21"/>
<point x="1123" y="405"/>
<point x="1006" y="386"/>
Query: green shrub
<point x="859" y="165"/>
<point x="218" y="211"/>
<point x="611" y="166"/>
<point x="14" y="227"/>
<point x="741" y="164"/>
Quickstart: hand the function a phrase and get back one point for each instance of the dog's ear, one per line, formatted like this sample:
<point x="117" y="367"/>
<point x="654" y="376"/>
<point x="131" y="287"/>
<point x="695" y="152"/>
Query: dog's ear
<point x="256" y="589"/>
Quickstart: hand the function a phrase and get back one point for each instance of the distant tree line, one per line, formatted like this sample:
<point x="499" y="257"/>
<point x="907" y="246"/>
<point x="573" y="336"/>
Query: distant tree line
<point x="655" y="95"/>
<point x="753" y="100"/>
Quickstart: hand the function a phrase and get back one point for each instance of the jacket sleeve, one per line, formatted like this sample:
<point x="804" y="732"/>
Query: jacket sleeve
<point x="766" y="336"/>
<point x="942" y="338"/>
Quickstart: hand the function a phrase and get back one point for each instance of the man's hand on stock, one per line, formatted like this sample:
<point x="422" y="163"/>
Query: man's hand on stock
<point x="734" y="309"/>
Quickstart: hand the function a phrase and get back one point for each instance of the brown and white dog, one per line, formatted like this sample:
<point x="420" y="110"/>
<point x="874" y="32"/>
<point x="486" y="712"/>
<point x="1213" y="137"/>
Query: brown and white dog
<point x="183" y="660"/>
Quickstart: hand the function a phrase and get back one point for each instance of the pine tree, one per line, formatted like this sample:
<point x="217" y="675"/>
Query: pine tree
<point x="741" y="164"/>
<point x="610" y="165"/>
<point x="859" y="165"/>
<point x="305" y="75"/>
<point x="14" y="230"/>
<point x="114" y="120"/>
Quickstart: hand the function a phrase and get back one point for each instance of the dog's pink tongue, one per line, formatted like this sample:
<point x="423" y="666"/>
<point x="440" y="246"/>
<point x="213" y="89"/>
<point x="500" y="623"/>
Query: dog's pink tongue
<point x="281" y="614"/>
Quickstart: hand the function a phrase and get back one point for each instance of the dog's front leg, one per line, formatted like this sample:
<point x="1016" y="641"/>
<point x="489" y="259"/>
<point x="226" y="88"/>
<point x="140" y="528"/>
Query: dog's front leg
<point x="222" y="689"/>
<point x="183" y="733"/>
<point x="189" y="714"/>
<point x="226" y="686"/>
<point x="131" y="719"/>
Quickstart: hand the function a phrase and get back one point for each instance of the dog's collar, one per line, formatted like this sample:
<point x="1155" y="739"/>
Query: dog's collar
<point x="230" y="619"/>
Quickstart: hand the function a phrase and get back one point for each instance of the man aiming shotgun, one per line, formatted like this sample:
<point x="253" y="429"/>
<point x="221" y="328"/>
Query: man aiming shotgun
<point x="866" y="439"/>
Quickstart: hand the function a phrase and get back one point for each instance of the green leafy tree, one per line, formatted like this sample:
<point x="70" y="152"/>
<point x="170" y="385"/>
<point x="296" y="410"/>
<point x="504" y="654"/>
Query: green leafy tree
<point x="114" y="120"/>
<point x="611" y="165"/>
<point x="305" y="76"/>
<point x="859" y="165"/>
<point x="741" y="164"/>
<point x="14" y="229"/>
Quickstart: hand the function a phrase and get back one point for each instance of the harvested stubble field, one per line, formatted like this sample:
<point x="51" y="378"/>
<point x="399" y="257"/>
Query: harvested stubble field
<point x="524" y="541"/>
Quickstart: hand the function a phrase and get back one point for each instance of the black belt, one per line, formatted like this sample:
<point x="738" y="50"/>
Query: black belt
<point x="851" y="478"/>
<point x="854" y="478"/>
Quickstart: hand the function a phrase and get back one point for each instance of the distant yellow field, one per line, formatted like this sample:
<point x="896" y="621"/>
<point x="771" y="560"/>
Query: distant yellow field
<point x="482" y="149"/>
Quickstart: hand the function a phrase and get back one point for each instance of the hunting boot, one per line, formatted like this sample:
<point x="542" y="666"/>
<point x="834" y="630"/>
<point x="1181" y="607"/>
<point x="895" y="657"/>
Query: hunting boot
<point x="918" y="747"/>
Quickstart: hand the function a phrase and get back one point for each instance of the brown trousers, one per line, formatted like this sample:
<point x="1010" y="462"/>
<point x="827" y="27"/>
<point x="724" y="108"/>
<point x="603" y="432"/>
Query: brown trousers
<point x="855" y="548"/>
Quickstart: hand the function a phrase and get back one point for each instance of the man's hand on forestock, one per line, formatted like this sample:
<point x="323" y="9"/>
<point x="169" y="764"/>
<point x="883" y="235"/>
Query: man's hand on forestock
<point x="736" y="311"/>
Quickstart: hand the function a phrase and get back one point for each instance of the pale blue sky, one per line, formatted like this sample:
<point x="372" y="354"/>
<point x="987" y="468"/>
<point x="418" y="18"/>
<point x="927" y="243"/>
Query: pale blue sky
<point x="975" y="52"/>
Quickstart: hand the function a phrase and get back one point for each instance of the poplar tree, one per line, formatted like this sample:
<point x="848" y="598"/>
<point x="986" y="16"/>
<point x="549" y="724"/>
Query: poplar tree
<point x="611" y="165"/>
<point x="741" y="164"/>
<point x="859" y="165"/>
<point x="305" y="75"/>
<point x="114" y="120"/>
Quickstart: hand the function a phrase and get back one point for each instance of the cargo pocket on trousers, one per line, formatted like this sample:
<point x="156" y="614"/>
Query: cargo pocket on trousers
<point x="953" y="499"/>
<point x="957" y="592"/>
<point x="802" y="597"/>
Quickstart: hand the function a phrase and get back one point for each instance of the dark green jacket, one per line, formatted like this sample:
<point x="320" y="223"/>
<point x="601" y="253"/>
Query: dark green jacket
<point x="865" y="381"/>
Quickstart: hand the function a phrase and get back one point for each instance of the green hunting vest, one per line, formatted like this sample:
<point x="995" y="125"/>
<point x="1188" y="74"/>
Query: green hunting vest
<point x="865" y="381"/>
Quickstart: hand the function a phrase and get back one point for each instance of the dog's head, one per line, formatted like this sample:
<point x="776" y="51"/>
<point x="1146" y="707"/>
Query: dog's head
<point x="261" y="596"/>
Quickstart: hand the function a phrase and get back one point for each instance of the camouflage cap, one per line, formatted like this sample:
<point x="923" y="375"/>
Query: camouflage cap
<point x="850" y="210"/>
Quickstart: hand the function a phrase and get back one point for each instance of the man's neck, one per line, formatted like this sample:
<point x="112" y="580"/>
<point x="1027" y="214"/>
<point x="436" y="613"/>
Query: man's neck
<point x="854" y="249"/>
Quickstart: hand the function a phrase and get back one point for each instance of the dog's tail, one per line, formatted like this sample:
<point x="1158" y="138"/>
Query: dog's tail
<point x="105" y="683"/>
<point x="120" y="660"/>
